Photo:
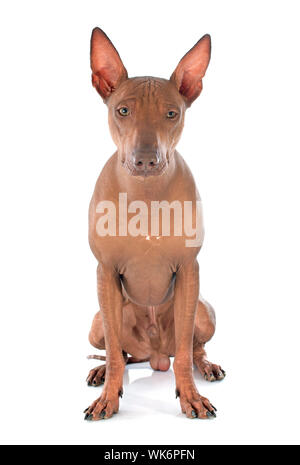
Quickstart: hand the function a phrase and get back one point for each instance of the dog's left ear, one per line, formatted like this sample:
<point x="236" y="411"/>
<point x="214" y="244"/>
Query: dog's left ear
<point x="191" y="69"/>
<point x="107" y="67"/>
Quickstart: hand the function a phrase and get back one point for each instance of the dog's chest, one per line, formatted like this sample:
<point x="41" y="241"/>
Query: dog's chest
<point x="147" y="265"/>
<point x="158" y="232"/>
<point x="148" y="272"/>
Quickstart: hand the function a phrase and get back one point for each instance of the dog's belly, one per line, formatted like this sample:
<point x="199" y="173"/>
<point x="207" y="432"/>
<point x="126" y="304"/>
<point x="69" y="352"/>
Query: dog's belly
<point x="148" y="284"/>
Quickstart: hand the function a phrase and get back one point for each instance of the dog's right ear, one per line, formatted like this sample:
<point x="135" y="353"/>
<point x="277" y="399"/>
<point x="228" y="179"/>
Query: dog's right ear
<point x="107" y="67"/>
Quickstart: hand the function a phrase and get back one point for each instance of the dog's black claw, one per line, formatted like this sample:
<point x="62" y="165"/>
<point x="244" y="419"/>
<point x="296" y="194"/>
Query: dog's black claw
<point x="94" y="382"/>
<point x="213" y="413"/>
<point x="209" y="414"/>
<point x="121" y="393"/>
<point x="214" y="407"/>
<point x="194" y="414"/>
<point x="86" y="410"/>
<point x="88" y="416"/>
<point x="102" y="414"/>
<point x="224" y="372"/>
<point x="177" y="393"/>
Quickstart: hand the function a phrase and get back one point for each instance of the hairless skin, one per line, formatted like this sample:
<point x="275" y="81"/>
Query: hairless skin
<point x="148" y="287"/>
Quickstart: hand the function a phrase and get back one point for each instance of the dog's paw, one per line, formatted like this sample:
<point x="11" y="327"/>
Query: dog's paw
<point x="104" y="407"/>
<point x="210" y="371"/>
<point x="96" y="376"/>
<point x="194" y="405"/>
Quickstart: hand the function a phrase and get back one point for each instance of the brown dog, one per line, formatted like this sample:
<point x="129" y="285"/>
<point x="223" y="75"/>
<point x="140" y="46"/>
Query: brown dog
<point x="148" y="284"/>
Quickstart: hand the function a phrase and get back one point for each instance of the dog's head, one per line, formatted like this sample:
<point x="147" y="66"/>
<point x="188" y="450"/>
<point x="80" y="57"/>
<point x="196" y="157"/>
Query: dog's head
<point x="146" y="114"/>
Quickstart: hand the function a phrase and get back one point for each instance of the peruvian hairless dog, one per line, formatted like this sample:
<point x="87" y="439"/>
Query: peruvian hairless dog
<point x="148" y="284"/>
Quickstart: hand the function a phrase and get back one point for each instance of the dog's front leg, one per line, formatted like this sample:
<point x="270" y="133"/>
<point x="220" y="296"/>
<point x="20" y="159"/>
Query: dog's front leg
<point x="111" y="302"/>
<point x="185" y="304"/>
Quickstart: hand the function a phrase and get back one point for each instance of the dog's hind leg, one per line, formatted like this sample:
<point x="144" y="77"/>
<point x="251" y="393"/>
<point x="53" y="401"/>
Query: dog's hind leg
<point x="205" y="323"/>
<point x="96" y="336"/>
<point x="96" y="376"/>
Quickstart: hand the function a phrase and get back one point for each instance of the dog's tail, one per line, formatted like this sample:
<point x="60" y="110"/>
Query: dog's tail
<point x="127" y="359"/>
<point x="97" y="357"/>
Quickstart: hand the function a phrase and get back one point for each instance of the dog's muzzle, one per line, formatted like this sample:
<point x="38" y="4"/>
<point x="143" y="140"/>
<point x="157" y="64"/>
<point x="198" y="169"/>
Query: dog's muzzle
<point x="146" y="163"/>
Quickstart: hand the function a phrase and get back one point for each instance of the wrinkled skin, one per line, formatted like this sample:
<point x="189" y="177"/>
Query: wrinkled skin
<point x="148" y="286"/>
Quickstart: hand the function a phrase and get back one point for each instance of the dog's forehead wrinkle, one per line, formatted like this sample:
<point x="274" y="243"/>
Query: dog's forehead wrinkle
<point x="147" y="88"/>
<point x="148" y="80"/>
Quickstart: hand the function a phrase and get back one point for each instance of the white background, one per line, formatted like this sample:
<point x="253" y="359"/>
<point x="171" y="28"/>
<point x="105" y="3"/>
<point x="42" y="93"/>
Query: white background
<point x="241" y="141"/>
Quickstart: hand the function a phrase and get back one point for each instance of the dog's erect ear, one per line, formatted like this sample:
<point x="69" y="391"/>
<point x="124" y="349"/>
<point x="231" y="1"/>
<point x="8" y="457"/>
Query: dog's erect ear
<point x="108" y="69"/>
<point x="191" y="69"/>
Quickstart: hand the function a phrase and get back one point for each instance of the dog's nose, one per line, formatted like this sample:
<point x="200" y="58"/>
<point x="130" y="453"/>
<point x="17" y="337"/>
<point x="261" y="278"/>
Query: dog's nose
<point x="146" y="161"/>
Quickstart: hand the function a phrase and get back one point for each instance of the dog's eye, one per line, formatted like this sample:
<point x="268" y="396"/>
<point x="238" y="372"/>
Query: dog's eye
<point x="171" y="114"/>
<point x="124" y="111"/>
